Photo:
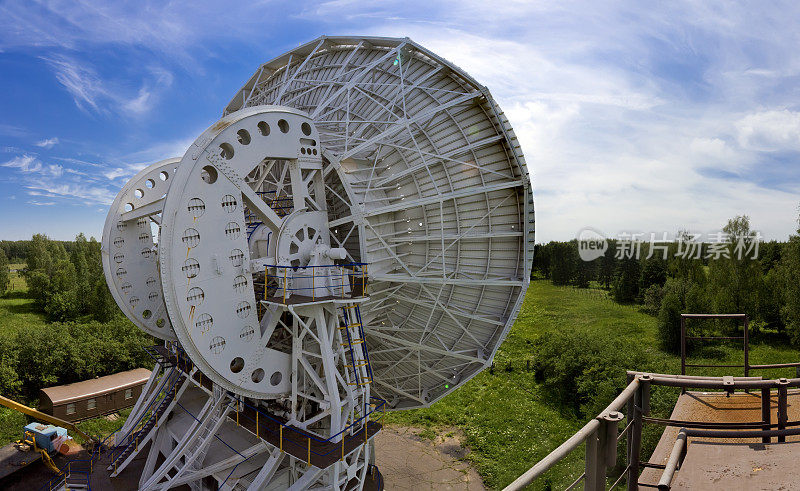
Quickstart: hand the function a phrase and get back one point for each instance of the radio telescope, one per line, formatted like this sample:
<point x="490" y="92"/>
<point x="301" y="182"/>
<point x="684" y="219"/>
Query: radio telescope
<point x="354" y="235"/>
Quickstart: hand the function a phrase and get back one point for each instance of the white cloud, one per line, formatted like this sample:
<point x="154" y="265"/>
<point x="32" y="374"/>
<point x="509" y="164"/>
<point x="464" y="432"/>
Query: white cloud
<point x="47" y="143"/>
<point x="630" y="118"/>
<point x="75" y="191"/>
<point x="54" y="183"/>
<point x="112" y="174"/>
<point x="28" y="164"/>
<point x="769" y="131"/>
<point x="92" y="93"/>
<point x="24" y="163"/>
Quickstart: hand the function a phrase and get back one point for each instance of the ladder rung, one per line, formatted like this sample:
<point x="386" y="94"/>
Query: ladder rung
<point x="358" y="366"/>
<point x="354" y="342"/>
<point x="361" y="383"/>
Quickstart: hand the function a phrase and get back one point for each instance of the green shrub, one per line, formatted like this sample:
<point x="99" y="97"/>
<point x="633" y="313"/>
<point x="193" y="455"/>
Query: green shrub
<point x="584" y="372"/>
<point x="652" y="298"/>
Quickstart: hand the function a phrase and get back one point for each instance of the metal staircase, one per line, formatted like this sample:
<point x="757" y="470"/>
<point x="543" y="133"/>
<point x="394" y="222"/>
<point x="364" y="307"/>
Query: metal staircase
<point x="354" y="341"/>
<point x="124" y="450"/>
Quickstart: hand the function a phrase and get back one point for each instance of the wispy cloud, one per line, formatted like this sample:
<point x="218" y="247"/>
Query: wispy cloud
<point x="47" y="142"/>
<point x="29" y="164"/>
<point x="172" y="29"/>
<point x="91" y="93"/>
<point x="76" y="191"/>
<point x="12" y="131"/>
<point x="53" y="183"/>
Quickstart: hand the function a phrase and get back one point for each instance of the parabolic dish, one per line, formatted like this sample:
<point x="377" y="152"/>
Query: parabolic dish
<point x="425" y="181"/>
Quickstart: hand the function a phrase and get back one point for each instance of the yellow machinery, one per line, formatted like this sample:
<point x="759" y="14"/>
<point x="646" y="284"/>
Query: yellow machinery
<point x="29" y="438"/>
<point x="33" y="413"/>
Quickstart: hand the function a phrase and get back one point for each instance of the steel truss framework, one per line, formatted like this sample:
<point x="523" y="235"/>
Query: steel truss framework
<point x="342" y="153"/>
<point x="426" y="182"/>
<point x="199" y="436"/>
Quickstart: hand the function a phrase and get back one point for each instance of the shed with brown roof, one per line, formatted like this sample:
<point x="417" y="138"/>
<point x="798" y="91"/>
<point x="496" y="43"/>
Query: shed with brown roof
<point x="95" y="397"/>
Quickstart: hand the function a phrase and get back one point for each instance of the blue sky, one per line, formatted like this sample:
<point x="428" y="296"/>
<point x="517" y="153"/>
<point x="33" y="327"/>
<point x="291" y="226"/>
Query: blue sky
<point x="634" y="116"/>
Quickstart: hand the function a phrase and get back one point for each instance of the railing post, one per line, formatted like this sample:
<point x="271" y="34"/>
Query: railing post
<point x="746" y="346"/>
<point x="590" y="480"/>
<point x="609" y="430"/>
<point x="683" y="350"/>
<point x="644" y="384"/>
<point x="766" y="414"/>
<point x="629" y="410"/>
<point x="636" y="438"/>
<point x="782" y="413"/>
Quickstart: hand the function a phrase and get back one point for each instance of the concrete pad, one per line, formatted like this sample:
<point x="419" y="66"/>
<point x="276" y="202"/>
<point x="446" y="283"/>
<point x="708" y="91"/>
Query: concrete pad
<point x="408" y="461"/>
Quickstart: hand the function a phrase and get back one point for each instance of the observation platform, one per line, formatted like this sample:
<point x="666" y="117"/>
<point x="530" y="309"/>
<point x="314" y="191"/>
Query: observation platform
<point x="729" y="463"/>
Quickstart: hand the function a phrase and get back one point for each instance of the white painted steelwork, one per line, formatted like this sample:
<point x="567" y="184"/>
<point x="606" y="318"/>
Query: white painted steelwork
<point x="425" y="181"/>
<point x="130" y="252"/>
<point x="357" y="228"/>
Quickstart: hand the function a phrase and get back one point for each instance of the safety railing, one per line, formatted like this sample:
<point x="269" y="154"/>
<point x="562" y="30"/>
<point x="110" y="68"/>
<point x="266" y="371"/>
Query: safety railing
<point x="744" y="338"/>
<point x="150" y="414"/>
<point x="300" y="439"/>
<point x="602" y="434"/>
<point x="337" y="281"/>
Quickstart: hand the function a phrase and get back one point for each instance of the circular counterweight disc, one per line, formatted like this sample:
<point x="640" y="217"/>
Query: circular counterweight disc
<point x="426" y="182"/>
<point x="205" y="255"/>
<point x="130" y="258"/>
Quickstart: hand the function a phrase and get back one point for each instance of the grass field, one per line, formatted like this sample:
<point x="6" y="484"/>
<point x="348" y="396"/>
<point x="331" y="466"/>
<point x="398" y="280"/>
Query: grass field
<point x="509" y="422"/>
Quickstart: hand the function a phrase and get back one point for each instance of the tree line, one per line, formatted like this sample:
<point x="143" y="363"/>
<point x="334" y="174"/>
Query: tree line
<point x="763" y="283"/>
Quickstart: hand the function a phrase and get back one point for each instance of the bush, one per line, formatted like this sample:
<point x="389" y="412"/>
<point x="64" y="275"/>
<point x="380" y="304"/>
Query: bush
<point x="625" y="288"/>
<point x="652" y="298"/>
<point x="583" y="373"/>
<point x="5" y="273"/>
<point x="563" y="257"/>
<point x="62" y="353"/>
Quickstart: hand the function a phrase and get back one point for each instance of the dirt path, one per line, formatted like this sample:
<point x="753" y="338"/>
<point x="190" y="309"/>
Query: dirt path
<point x="410" y="461"/>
